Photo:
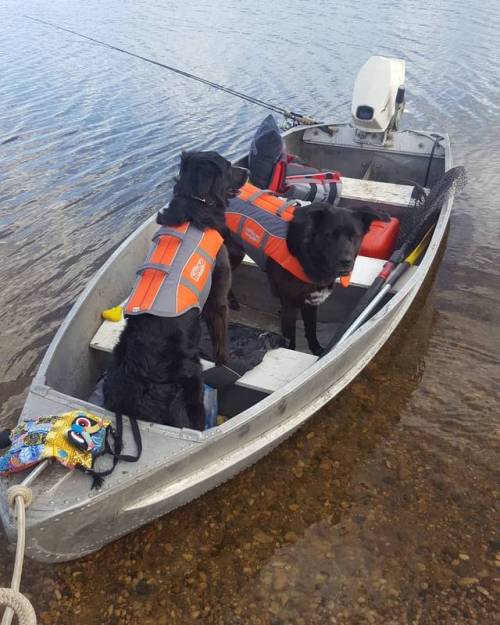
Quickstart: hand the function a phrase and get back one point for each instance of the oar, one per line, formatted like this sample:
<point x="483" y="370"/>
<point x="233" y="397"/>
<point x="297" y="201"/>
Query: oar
<point x="388" y="283"/>
<point x="220" y="376"/>
<point x="397" y="260"/>
<point x="414" y="228"/>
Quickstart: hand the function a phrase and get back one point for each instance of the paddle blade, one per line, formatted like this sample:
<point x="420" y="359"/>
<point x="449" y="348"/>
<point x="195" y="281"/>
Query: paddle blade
<point x="220" y="376"/>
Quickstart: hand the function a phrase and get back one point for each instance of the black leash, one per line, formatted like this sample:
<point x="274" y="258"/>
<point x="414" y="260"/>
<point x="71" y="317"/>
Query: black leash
<point x="296" y="117"/>
<point x="98" y="476"/>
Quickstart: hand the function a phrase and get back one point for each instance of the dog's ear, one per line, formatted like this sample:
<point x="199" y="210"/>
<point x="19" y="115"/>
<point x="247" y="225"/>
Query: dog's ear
<point x="239" y="176"/>
<point x="367" y="214"/>
<point x="205" y="180"/>
<point x="318" y="213"/>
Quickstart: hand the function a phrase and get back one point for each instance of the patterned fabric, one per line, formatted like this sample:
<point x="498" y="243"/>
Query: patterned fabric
<point x="73" y="439"/>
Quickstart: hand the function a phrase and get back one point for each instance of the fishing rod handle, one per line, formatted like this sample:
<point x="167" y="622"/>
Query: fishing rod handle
<point x="355" y="325"/>
<point x="303" y="119"/>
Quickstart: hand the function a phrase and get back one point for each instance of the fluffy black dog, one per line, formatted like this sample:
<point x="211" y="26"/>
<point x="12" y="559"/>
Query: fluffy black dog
<point x="155" y="373"/>
<point x="326" y="241"/>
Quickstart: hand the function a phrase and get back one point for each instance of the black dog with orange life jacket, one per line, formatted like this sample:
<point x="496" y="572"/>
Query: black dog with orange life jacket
<point x="155" y="373"/>
<point x="303" y="249"/>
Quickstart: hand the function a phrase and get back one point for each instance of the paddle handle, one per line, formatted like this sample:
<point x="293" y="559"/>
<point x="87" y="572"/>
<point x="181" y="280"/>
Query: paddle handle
<point x="366" y="311"/>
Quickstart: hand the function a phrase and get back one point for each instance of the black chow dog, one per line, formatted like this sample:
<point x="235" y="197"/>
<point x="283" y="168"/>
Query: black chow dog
<point x="155" y="373"/>
<point x="325" y="240"/>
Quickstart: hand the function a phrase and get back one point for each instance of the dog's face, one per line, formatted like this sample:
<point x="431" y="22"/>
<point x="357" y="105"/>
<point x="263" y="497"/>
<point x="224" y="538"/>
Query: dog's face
<point x="210" y="177"/>
<point x="331" y="237"/>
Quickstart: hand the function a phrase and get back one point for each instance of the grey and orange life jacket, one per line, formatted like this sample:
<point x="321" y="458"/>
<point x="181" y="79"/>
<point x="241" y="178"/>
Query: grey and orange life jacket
<point x="259" y="222"/>
<point x="177" y="274"/>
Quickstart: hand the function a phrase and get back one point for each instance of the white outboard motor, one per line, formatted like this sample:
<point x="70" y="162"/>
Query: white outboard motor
<point x="378" y="99"/>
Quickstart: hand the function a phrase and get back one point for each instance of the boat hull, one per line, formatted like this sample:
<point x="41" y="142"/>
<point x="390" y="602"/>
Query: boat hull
<point x="67" y="520"/>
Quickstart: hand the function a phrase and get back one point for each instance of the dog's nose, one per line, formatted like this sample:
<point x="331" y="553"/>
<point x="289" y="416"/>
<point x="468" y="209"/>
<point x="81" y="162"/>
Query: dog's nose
<point x="345" y="262"/>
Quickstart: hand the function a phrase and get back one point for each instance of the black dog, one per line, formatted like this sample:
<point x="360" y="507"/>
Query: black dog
<point x="325" y="240"/>
<point x="155" y="373"/>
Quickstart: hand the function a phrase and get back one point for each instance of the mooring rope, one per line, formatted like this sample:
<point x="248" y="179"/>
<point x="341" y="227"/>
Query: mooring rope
<point x="19" y="497"/>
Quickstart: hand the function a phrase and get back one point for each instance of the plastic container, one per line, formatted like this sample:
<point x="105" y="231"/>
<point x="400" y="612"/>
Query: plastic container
<point x="211" y="406"/>
<point x="380" y="239"/>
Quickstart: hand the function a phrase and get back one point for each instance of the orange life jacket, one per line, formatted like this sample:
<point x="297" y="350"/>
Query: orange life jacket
<point x="259" y="221"/>
<point x="177" y="274"/>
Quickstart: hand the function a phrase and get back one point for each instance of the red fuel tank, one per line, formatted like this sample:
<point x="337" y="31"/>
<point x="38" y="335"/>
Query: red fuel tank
<point x="380" y="239"/>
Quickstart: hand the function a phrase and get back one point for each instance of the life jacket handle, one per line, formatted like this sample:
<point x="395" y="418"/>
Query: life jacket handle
<point x="166" y="231"/>
<point x="156" y="266"/>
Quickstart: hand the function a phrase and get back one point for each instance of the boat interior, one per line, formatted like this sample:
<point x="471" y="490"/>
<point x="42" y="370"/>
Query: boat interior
<point x="381" y="177"/>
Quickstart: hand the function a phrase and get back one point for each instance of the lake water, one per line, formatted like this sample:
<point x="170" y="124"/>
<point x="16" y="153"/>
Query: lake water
<point x="384" y="509"/>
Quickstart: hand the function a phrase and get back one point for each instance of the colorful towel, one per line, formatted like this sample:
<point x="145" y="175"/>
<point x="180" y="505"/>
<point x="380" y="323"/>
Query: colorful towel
<point x="74" y="439"/>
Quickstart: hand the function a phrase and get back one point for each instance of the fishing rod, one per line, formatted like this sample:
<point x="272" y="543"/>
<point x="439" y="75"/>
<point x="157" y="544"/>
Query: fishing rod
<point x="296" y="117"/>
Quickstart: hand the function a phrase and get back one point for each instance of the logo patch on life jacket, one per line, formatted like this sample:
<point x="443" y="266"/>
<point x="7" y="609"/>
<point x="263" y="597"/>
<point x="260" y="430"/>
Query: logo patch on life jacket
<point x="198" y="270"/>
<point x="250" y="235"/>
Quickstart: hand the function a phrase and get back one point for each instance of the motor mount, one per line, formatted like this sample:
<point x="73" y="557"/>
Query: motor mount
<point x="378" y="98"/>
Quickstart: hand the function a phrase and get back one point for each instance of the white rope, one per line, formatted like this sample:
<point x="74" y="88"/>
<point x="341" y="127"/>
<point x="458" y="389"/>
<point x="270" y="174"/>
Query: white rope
<point x="18" y="605"/>
<point x="19" y="497"/>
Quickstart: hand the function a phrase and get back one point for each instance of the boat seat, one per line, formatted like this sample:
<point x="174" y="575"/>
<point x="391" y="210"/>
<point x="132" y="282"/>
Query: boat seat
<point x="355" y="190"/>
<point x="277" y="368"/>
<point x="364" y="272"/>
<point x="374" y="192"/>
<point x="108" y="334"/>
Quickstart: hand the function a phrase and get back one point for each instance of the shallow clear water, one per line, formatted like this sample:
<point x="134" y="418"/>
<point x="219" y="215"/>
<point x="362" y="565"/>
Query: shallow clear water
<point x="384" y="508"/>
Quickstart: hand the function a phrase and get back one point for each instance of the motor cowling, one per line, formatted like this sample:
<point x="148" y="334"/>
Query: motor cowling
<point x="378" y="96"/>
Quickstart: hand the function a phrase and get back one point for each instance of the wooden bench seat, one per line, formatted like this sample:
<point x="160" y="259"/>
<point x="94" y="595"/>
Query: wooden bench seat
<point x="364" y="272"/>
<point x="277" y="368"/>
<point x="356" y="190"/>
<point x="374" y="192"/>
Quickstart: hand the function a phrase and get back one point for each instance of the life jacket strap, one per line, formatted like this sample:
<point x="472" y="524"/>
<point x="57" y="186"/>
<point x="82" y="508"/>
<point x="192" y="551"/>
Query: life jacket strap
<point x="264" y="242"/>
<point x="171" y="232"/>
<point x="285" y="206"/>
<point x="189" y="285"/>
<point x="156" y="266"/>
<point x="257" y="194"/>
<point x="206" y="255"/>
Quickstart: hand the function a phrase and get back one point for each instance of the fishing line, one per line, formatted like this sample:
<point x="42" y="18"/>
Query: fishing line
<point x="296" y="117"/>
